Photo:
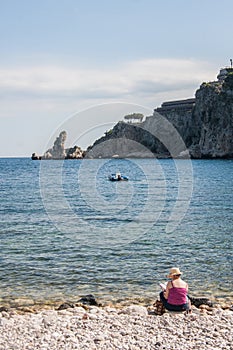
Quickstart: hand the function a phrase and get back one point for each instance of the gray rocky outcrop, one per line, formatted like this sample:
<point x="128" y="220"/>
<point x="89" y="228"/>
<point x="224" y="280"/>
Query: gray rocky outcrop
<point x="155" y="137"/>
<point x="58" y="151"/>
<point x="125" y="140"/>
<point x="74" y="153"/>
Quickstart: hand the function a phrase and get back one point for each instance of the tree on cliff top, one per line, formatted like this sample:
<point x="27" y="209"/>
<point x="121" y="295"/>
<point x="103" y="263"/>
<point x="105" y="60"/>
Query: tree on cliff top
<point x="134" y="117"/>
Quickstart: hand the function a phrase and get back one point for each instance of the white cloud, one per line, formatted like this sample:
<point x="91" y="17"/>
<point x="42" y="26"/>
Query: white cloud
<point x="149" y="76"/>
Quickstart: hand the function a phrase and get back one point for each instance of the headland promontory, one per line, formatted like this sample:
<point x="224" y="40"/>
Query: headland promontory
<point x="204" y="124"/>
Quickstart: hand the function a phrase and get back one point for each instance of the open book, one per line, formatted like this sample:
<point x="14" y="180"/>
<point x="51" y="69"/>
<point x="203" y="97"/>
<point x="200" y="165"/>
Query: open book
<point x="163" y="286"/>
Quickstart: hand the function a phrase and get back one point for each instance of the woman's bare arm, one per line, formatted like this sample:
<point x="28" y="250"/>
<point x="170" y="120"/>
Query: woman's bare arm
<point x="166" y="293"/>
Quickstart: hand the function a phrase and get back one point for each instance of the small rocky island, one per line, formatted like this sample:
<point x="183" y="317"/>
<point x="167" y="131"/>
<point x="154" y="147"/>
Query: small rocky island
<point x="58" y="151"/>
<point x="205" y="124"/>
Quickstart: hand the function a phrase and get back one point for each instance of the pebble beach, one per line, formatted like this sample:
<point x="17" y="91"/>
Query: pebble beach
<point x="132" y="327"/>
<point x="43" y="266"/>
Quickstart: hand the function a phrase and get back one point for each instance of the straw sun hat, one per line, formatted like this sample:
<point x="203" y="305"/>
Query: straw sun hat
<point x="174" y="271"/>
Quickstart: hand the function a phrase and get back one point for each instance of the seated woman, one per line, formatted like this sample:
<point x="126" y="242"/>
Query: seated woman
<point x="175" y="298"/>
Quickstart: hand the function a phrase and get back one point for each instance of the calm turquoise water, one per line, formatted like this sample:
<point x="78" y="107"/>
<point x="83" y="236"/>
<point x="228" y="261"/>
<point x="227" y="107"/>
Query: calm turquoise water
<point x="65" y="230"/>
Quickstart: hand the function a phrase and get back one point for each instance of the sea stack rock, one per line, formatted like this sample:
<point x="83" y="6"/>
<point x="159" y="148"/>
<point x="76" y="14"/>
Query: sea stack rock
<point x="58" y="149"/>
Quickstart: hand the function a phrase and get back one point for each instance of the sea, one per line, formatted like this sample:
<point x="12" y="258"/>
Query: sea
<point x="66" y="231"/>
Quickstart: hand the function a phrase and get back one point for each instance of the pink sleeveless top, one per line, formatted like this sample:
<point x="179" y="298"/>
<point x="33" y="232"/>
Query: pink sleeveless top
<point x="177" y="296"/>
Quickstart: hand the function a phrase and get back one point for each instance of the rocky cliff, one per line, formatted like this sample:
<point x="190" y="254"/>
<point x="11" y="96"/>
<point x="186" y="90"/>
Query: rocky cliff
<point x="155" y="137"/>
<point x="126" y="140"/>
<point x="200" y="127"/>
<point x="212" y="120"/>
<point x="203" y="126"/>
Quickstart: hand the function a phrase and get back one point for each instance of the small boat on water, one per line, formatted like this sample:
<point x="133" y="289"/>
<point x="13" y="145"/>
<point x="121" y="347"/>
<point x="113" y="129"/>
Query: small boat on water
<point x="117" y="177"/>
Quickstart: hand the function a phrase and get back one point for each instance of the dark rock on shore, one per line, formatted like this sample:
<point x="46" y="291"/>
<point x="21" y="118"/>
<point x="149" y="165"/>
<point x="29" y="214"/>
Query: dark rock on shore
<point x="3" y="309"/>
<point x="88" y="300"/>
<point x="200" y="301"/>
<point x="65" y="306"/>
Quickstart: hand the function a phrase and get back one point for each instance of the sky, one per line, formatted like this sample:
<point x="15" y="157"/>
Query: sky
<point x="81" y="65"/>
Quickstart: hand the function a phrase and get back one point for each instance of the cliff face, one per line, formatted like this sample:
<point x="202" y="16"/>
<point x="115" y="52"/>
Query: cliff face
<point x="213" y="120"/>
<point x="155" y="137"/>
<point x="124" y="140"/>
<point x="180" y="115"/>
<point x="204" y="126"/>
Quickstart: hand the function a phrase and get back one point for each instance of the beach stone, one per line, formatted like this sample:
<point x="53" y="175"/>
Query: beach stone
<point x="25" y="309"/>
<point x="205" y="307"/>
<point x="98" y="339"/>
<point x="65" y="312"/>
<point x="225" y="306"/>
<point x="85" y="316"/>
<point x="217" y="312"/>
<point x="78" y="310"/>
<point x="203" y="311"/>
<point x="112" y="331"/>
<point x="110" y="309"/>
<point x="65" y="306"/>
<point x="23" y="302"/>
<point x="88" y="300"/>
<point x="56" y="334"/>
<point x="200" y="301"/>
<point x="85" y="307"/>
<point x="50" y="319"/>
<point x="3" y="308"/>
<point x="134" y="309"/>
<point x="93" y="316"/>
<point x="94" y="310"/>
